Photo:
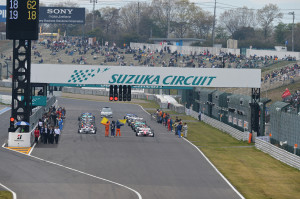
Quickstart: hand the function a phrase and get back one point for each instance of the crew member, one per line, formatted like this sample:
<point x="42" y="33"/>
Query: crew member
<point x="179" y="127"/>
<point x="112" y="128"/>
<point x="119" y="124"/>
<point x="57" y="133"/>
<point x="36" y="134"/>
<point x="106" y="128"/>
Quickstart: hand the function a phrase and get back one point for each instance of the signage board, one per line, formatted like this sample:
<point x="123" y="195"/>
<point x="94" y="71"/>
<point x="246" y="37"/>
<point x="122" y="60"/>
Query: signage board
<point x="62" y="15"/>
<point x="145" y="76"/>
<point x="38" y="100"/>
<point x="2" y="13"/>
<point x="22" y="19"/>
<point x="16" y="139"/>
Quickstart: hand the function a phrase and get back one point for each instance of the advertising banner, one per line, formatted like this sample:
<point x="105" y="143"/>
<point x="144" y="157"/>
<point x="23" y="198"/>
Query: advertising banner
<point x="38" y="100"/>
<point x="230" y="119"/>
<point x="63" y="15"/>
<point x="2" y="13"/>
<point x="145" y="76"/>
<point x="19" y="139"/>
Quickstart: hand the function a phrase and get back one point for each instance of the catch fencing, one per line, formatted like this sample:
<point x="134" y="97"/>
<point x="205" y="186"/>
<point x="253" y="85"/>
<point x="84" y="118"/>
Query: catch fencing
<point x="285" y="126"/>
<point x="239" y="135"/>
<point x="278" y="153"/>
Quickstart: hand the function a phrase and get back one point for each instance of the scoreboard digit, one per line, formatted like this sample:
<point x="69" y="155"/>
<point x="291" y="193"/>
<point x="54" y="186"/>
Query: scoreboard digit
<point x="22" y="21"/>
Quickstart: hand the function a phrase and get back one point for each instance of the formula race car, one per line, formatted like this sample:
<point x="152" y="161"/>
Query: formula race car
<point x="86" y="123"/>
<point x="145" y="132"/>
<point x="129" y="115"/>
<point x="87" y="128"/>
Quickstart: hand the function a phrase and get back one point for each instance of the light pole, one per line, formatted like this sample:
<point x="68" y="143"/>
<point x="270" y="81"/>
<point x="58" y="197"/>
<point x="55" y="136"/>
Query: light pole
<point x="292" y="13"/>
<point x="93" y="14"/>
<point x="214" y="24"/>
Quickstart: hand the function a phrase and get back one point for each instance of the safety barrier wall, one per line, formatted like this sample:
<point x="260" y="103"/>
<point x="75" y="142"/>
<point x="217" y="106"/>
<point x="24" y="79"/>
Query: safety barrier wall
<point x="187" y="50"/>
<point x="279" y="54"/>
<point x="5" y="99"/>
<point x="278" y="153"/>
<point x="239" y="135"/>
<point x="5" y="84"/>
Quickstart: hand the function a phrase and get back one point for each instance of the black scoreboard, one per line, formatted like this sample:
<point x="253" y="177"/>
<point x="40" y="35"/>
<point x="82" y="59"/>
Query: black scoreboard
<point x="22" y="19"/>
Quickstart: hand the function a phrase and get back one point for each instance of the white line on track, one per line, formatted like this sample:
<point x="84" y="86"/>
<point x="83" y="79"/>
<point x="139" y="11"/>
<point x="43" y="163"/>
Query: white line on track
<point x="8" y="189"/>
<point x="144" y="110"/>
<point x="84" y="173"/>
<point x="4" y="110"/>
<point x="234" y="189"/>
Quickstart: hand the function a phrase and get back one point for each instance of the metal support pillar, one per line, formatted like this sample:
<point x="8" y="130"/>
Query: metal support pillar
<point x="255" y="110"/>
<point x="21" y="89"/>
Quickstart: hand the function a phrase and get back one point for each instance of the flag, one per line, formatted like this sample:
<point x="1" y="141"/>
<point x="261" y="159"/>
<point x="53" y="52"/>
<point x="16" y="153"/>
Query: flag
<point x="286" y="93"/>
<point x="123" y="121"/>
<point x="104" y="120"/>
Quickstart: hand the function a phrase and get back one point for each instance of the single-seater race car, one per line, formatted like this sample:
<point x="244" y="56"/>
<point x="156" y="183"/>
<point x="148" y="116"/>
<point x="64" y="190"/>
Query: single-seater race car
<point x="145" y="132"/>
<point x="86" y="123"/>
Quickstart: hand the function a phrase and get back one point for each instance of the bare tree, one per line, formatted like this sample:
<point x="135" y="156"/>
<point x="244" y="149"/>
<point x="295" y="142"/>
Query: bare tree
<point x="183" y="17"/>
<point x="266" y="16"/>
<point x="201" y="23"/>
<point x="110" y="18"/>
<point x="235" y="19"/>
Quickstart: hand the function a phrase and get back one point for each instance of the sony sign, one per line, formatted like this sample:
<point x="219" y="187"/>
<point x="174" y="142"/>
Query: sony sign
<point x="62" y="15"/>
<point x="58" y="11"/>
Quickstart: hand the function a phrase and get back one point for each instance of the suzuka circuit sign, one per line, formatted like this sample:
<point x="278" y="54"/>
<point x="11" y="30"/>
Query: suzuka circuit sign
<point x="145" y="76"/>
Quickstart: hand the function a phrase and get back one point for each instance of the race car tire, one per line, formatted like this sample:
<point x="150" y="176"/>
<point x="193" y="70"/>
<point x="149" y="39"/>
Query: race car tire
<point x="136" y="135"/>
<point x="153" y="135"/>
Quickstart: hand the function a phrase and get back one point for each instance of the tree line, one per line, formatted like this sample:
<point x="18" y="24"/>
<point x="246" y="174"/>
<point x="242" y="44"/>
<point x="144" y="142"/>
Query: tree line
<point x="139" y="21"/>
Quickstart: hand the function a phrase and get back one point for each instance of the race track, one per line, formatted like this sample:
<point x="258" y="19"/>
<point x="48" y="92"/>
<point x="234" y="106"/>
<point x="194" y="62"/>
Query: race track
<point x="93" y="166"/>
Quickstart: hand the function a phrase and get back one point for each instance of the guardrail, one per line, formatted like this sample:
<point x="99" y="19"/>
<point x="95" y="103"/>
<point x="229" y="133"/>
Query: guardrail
<point x="38" y="112"/>
<point x="278" y="153"/>
<point x="239" y="135"/>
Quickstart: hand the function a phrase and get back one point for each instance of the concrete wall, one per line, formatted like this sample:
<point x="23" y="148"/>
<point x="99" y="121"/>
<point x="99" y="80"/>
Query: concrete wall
<point x="187" y="50"/>
<point x="279" y="54"/>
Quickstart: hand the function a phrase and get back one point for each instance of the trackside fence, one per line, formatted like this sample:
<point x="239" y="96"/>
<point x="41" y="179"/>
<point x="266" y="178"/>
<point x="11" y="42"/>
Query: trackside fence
<point x="278" y="153"/>
<point x="239" y="135"/>
<point x="38" y="112"/>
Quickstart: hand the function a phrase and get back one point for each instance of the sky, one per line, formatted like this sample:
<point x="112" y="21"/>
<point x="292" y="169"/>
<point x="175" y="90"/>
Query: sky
<point x="208" y="5"/>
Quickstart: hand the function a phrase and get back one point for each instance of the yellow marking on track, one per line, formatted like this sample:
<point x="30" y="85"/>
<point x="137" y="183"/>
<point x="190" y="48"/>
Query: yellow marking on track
<point x="24" y="150"/>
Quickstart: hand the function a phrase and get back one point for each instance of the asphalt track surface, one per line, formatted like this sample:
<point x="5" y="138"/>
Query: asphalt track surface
<point x="93" y="166"/>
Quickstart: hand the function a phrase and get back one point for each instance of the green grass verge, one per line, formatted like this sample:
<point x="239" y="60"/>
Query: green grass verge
<point x="6" y="195"/>
<point x="255" y="174"/>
